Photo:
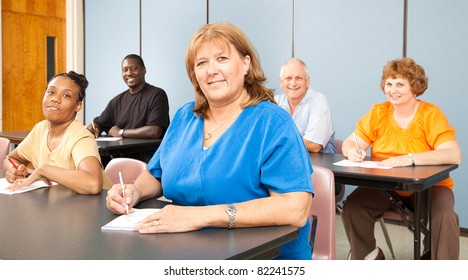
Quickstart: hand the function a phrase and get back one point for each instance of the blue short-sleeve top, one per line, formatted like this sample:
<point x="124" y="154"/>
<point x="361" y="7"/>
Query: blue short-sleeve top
<point x="261" y="151"/>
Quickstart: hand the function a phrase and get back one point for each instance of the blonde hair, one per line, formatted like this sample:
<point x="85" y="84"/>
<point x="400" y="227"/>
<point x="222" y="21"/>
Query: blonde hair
<point x="226" y="34"/>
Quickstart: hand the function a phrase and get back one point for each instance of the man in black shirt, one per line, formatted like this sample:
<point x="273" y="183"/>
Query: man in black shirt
<point x="142" y="111"/>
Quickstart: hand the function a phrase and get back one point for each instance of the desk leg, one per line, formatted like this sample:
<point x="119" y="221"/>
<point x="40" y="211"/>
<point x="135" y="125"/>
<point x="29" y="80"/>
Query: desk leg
<point x="427" y="254"/>
<point x="417" y="227"/>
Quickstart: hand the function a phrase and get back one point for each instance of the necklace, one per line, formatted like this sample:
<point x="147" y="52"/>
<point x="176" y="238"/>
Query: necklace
<point x="209" y="134"/>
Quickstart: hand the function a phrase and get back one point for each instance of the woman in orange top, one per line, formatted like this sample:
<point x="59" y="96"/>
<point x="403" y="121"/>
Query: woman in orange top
<point x="405" y="131"/>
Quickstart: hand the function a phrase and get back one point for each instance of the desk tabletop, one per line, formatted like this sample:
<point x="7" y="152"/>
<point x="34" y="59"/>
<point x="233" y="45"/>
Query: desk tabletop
<point x="411" y="178"/>
<point x="56" y="223"/>
<point x="128" y="146"/>
<point x="106" y="148"/>
<point x="15" y="136"/>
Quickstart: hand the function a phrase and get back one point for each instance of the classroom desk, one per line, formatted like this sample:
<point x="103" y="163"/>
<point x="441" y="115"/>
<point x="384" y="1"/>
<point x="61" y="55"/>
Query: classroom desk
<point x="127" y="146"/>
<point x="15" y="136"/>
<point x="57" y="224"/>
<point x="106" y="148"/>
<point x="413" y="178"/>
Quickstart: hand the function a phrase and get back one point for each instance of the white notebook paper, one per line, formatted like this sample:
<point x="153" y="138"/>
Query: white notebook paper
<point x="364" y="164"/>
<point x="128" y="222"/>
<point x="108" y="139"/>
<point x="36" y="185"/>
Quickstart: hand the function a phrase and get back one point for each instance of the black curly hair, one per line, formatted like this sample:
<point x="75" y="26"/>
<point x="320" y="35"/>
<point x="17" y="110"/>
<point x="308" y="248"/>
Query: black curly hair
<point x="79" y="79"/>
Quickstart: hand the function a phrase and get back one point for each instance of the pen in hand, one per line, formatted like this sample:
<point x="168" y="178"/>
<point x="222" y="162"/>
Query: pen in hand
<point x="123" y="191"/>
<point x="12" y="162"/>
<point x="16" y="168"/>
<point x="357" y="145"/>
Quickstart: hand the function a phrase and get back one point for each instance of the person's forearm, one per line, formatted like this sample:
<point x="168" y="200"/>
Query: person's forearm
<point x="147" y="186"/>
<point x="80" y="181"/>
<point x="285" y="209"/>
<point x="312" y="147"/>
<point x="149" y="132"/>
<point x="436" y="157"/>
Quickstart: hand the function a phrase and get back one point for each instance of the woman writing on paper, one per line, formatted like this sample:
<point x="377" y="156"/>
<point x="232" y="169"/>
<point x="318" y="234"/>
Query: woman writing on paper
<point x="232" y="158"/>
<point x="59" y="148"/>
<point x="405" y="131"/>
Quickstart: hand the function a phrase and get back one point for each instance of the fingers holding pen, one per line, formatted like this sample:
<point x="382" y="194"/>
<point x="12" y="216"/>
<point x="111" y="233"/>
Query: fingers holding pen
<point x="117" y="201"/>
<point x="94" y="129"/>
<point x="356" y="155"/>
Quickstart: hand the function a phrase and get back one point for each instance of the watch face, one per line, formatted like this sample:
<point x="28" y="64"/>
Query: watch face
<point x="231" y="209"/>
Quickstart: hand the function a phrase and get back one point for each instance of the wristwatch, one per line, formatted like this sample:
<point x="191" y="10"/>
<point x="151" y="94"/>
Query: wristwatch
<point x="231" y="211"/>
<point x="410" y="155"/>
<point x="121" y="132"/>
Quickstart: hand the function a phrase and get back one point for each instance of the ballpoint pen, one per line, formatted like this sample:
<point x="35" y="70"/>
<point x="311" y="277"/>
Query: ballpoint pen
<point x="123" y="191"/>
<point x="357" y="145"/>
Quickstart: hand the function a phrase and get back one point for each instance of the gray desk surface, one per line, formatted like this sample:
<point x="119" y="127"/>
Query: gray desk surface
<point x="106" y="148"/>
<point x="128" y="146"/>
<point x="411" y="178"/>
<point x="56" y="223"/>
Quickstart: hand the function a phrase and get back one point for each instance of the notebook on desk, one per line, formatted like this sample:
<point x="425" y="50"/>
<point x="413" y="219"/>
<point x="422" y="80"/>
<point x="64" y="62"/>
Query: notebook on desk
<point x="128" y="222"/>
<point x="4" y="184"/>
<point x="364" y="164"/>
<point x="108" y="139"/>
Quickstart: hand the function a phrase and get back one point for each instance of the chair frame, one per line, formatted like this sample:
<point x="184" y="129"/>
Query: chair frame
<point x="324" y="213"/>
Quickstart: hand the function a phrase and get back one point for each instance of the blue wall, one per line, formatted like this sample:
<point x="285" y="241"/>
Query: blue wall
<point x="344" y="42"/>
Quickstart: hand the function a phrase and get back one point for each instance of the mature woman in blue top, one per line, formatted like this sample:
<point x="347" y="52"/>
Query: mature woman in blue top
<point x="232" y="158"/>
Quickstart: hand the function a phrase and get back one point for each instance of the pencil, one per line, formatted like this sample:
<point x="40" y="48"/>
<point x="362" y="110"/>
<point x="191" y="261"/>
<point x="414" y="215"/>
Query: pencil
<point x="12" y="162"/>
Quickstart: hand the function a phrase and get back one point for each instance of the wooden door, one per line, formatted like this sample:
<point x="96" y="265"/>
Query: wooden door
<point x="33" y="48"/>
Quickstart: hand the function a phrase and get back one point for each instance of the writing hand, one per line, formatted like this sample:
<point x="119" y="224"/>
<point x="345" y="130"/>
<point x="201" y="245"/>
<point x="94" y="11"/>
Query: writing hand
<point x="19" y="183"/>
<point x="115" y="201"/>
<point x="13" y="173"/>
<point x="94" y="130"/>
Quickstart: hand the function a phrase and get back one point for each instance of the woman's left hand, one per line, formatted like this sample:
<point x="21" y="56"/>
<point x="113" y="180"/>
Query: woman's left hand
<point x="398" y="161"/>
<point x="19" y="183"/>
<point x="171" y="218"/>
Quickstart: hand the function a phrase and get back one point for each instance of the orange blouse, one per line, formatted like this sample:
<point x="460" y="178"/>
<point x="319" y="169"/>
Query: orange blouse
<point x="428" y="129"/>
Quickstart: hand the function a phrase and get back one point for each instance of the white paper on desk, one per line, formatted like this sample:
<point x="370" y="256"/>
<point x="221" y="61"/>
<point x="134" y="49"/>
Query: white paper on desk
<point x="108" y="139"/>
<point x="128" y="222"/>
<point x="364" y="164"/>
<point x="36" y="185"/>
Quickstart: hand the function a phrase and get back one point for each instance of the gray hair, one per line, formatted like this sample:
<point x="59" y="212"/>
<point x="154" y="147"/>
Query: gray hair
<point x="294" y="59"/>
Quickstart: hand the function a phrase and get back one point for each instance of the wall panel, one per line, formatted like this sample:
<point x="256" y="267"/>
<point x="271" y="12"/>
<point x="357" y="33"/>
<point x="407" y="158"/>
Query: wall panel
<point x="164" y="41"/>
<point x="267" y="23"/>
<point x="111" y="32"/>
<point x="438" y="40"/>
<point x="345" y="45"/>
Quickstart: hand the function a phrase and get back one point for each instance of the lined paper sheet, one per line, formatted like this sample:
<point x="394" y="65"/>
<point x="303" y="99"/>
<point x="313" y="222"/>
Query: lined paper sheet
<point x="364" y="164"/>
<point x="128" y="222"/>
<point x="36" y="185"/>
